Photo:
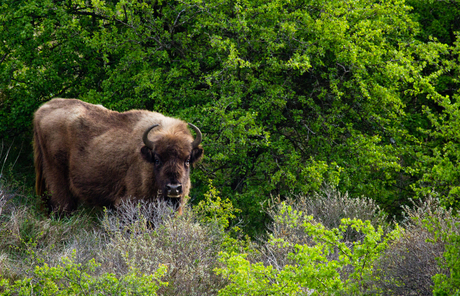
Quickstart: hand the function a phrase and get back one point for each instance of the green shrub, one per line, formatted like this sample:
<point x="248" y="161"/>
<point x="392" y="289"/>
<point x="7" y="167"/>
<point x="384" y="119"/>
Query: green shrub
<point x="446" y="231"/>
<point x="449" y="284"/>
<point x="328" y="206"/>
<point x="324" y="264"/>
<point x="212" y="210"/>
<point x="70" y="278"/>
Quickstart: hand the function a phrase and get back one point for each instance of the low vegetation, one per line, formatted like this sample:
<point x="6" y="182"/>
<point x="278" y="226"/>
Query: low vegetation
<point x="324" y="244"/>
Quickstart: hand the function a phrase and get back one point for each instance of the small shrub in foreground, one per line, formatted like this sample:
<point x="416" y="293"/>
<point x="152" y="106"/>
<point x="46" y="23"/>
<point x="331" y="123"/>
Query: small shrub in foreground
<point x="144" y="241"/>
<point x="327" y="207"/>
<point x="316" y="266"/>
<point x="70" y="278"/>
<point x="409" y="264"/>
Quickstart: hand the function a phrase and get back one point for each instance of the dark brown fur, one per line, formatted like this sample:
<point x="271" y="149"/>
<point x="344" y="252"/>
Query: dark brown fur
<point x="87" y="153"/>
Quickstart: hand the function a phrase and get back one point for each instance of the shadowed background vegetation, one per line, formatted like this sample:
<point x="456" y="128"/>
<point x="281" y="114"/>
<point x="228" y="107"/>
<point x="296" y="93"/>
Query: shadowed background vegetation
<point x="291" y="96"/>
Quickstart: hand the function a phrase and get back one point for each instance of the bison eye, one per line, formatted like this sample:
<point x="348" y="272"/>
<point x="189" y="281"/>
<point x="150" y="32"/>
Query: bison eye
<point x="187" y="162"/>
<point x="157" y="161"/>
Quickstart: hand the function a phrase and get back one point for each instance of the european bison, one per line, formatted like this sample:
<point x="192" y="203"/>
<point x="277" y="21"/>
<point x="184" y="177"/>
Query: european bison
<point x="87" y="153"/>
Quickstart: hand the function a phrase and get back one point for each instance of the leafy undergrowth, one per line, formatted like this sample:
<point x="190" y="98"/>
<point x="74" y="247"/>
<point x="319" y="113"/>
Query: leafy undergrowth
<point x="324" y="244"/>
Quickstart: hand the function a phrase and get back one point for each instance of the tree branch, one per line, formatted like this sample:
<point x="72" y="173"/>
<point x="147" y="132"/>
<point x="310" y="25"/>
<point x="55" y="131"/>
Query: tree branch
<point x="4" y="57"/>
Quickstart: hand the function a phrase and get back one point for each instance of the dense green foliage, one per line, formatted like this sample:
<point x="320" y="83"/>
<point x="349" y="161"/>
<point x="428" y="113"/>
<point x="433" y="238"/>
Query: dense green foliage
<point x="289" y="94"/>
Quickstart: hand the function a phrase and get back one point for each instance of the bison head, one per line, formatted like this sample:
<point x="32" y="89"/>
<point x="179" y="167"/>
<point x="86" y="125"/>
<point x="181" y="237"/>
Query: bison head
<point x="171" y="155"/>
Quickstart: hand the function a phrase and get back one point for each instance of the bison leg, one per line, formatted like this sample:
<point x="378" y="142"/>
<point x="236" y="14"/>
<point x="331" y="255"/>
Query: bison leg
<point x="60" y="199"/>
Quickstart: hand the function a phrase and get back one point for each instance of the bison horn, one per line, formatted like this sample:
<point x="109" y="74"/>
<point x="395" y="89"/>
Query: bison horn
<point x="145" y="137"/>
<point x="198" y="138"/>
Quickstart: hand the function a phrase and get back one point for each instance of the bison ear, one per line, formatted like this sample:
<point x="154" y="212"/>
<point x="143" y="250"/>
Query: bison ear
<point x="196" y="154"/>
<point x="147" y="154"/>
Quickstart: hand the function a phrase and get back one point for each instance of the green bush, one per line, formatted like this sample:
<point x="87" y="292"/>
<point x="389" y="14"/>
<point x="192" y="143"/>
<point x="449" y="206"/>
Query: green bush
<point x="449" y="284"/>
<point x="70" y="278"/>
<point x="445" y="230"/>
<point x="326" y="264"/>
<point x="328" y="206"/>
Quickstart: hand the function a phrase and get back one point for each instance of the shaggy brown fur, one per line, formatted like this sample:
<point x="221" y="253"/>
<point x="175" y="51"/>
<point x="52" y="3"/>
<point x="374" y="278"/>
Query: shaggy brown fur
<point x="87" y="153"/>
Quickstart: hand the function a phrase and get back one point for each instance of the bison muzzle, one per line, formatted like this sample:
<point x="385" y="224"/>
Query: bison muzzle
<point x="85" y="153"/>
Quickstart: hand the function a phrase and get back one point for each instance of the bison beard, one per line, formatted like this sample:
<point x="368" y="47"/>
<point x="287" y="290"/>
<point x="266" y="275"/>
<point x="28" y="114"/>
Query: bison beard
<point x="85" y="153"/>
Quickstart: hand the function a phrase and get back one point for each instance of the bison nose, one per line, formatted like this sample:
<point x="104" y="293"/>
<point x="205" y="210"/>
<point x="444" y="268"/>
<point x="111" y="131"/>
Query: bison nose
<point x="174" y="190"/>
